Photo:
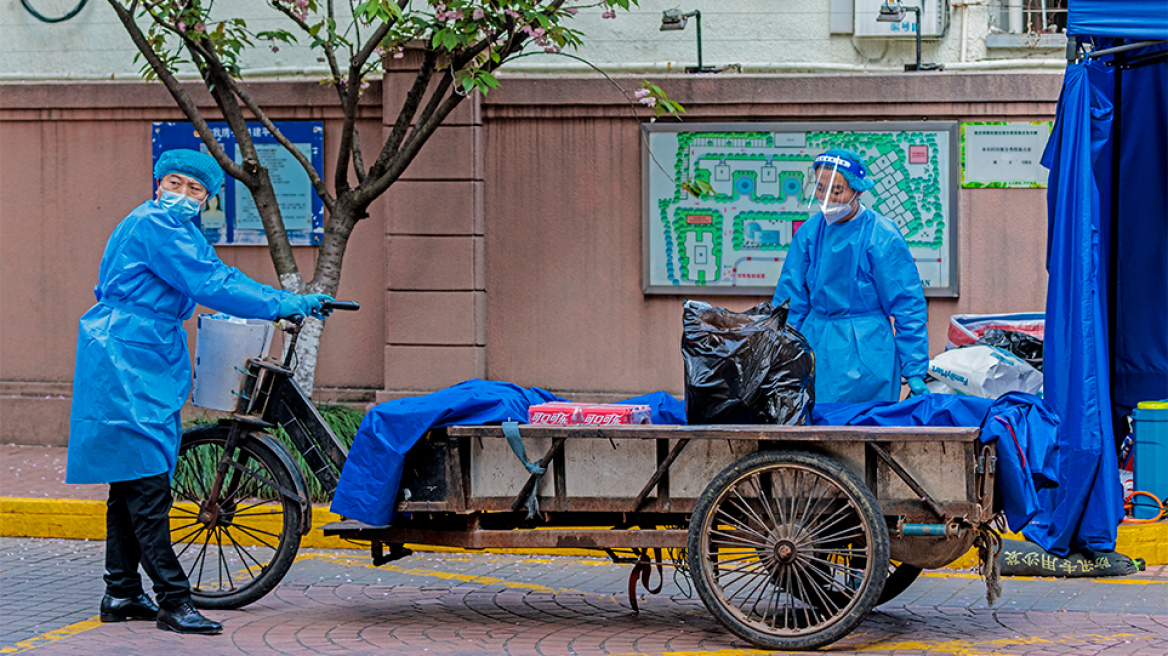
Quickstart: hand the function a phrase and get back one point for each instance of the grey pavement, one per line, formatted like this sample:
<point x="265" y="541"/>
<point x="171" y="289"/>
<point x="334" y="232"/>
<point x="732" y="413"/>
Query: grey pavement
<point x="336" y="602"/>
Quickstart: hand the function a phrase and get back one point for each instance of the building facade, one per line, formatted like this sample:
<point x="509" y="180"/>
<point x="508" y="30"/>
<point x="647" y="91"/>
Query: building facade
<point x="512" y="248"/>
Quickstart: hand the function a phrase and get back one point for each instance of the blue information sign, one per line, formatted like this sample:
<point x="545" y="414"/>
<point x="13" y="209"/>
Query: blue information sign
<point x="231" y="217"/>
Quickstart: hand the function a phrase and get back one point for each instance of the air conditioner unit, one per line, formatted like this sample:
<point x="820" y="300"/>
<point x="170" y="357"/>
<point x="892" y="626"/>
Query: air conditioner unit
<point x="934" y="20"/>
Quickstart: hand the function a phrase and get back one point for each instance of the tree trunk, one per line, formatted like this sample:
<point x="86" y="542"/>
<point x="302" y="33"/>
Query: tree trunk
<point x="327" y="280"/>
<point x="307" y="348"/>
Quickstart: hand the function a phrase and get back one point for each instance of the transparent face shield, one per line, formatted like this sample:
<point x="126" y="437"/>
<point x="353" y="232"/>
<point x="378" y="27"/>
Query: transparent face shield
<point x="826" y="194"/>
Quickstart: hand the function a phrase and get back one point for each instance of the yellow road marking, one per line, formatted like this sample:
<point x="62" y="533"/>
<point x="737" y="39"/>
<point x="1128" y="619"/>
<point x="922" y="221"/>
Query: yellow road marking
<point x="1101" y="579"/>
<point x="449" y="576"/>
<point x="954" y="647"/>
<point x="51" y="636"/>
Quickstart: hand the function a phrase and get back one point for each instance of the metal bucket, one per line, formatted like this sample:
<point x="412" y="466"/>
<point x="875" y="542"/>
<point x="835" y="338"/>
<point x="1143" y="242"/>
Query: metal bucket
<point x="223" y="345"/>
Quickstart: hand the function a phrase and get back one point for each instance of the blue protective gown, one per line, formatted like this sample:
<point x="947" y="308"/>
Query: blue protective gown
<point x="133" y="372"/>
<point x="844" y="281"/>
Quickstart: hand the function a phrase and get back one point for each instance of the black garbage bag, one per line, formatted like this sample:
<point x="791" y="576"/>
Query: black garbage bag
<point x="1026" y="347"/>
<point x="745" y="368"/>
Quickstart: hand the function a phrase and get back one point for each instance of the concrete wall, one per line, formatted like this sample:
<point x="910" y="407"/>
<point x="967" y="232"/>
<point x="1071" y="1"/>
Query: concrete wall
<point x="753" y="33"/>
<point x="563" y="215"/>
<point x="509" y="250"/>
<point x="75" y="158"/>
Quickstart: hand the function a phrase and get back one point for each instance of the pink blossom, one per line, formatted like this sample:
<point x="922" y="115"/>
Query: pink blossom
<point x="182" y="27"/>
<point x="199" y="27"/>
<point x="399" y="54"/>
<point x="478" y="13"/>
<point x="608" y="14"/>
<point x="642" y="93"/>
<point x="511" y="12"/>
<point x="552" y="49"/>
<point x="649" y="101"/>
<point x="572" y="10"/>
<point x="275" y="48"/>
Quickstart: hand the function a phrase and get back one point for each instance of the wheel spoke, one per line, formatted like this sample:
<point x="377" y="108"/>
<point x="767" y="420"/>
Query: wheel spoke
<point x="732" y="521"/>
<point x="193" y="540"/>
<point x="844" y="512"/>
<point x="255" y="537"/>
<point x="244" y="555"/>
<point x="837" y="566"/>
<point x="749" y="510"/>
<point x="825" y="600"/>
<point x="737" y="540"/>
<point x="224" y="568"/>
<point x="804" y="599"/>
<point x="845" y="533"/>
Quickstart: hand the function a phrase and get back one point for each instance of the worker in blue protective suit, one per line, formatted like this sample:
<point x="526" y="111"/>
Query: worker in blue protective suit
<point x="133" y="375"/>
<point x="847" y="272"/>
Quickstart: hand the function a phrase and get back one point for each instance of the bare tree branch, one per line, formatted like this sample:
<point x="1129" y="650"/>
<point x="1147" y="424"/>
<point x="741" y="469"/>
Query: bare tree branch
<point x="254" y="108"/>
<point x="405" y="117"/>
<point x="180" y="95"/>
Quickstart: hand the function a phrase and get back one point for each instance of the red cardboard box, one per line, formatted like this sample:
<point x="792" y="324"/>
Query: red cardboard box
<point x="556" y="414"/>
<point x="615" y="414"/>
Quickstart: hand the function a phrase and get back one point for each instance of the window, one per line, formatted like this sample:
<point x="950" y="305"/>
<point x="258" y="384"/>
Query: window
<point x="1028" y="16"/>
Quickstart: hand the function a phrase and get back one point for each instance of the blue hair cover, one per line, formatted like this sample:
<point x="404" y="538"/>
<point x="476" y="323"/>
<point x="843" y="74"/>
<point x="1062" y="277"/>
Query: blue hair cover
<point x="193" y="164"/>
<point x="849" y="164"/>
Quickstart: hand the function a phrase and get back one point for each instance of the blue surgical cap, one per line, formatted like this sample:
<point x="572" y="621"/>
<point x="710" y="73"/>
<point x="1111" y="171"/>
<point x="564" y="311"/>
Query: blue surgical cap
<point x="849" y="164"/>
<point x="192" y="164"/>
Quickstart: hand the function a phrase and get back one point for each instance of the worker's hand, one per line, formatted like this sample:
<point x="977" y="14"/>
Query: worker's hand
<point x="298" y="306"/>
<point x="916" y="386"/>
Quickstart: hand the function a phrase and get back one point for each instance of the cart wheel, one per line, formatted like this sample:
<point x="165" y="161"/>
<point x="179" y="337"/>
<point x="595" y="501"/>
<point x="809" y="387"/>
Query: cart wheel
<point x="239" y="553"/>
<point x="900" y="576"/>
<point x="788" y="549"/>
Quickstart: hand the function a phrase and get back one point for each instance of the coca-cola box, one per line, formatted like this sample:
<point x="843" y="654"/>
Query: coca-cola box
<point x="588" y="414"/>
<point x="614" y="414"/>
<point x="560" y="413"/>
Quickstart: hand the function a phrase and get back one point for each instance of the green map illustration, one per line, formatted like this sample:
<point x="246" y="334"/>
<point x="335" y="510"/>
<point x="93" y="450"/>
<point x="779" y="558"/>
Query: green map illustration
<point x="762" y="181"/>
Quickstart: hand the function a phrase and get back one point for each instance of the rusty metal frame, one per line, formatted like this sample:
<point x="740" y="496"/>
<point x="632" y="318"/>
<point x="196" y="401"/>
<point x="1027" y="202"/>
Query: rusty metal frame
<point x="469" y="522"/>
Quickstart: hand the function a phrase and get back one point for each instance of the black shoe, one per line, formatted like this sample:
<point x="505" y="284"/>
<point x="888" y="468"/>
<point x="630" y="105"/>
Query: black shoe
<point x="185" y="619"/>
<point x="116" y="609"/>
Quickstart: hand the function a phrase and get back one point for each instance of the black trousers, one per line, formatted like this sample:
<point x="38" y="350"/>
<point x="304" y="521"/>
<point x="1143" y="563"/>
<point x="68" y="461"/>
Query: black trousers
<point x="138" y="531"/>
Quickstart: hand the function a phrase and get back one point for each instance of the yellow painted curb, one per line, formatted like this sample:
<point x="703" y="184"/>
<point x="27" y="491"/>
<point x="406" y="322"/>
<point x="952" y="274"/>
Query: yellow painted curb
<point x="85" y="520"/>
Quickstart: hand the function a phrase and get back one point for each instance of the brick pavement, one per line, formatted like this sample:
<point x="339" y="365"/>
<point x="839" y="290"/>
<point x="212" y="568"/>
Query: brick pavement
<point x="39" y="472"/>
<point x="336" y="602"/>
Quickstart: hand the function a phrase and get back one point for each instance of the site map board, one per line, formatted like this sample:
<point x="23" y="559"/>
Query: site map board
<point x="231" y="217"/>
<point x="735" y="241"/>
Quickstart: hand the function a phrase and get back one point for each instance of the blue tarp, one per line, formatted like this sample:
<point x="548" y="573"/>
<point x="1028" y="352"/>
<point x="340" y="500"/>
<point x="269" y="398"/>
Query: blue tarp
<point x="372" y="473"/>
<point x="1024" y="428"/>
<point x="1138" y="20"/>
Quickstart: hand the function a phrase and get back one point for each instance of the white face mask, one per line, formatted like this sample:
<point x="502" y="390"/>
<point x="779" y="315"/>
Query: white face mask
<point x="833" y="212"/>
<point x="180" y="205"/>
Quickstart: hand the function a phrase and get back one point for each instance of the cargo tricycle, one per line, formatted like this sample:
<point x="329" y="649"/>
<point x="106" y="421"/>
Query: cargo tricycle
<point x="791" y="534"/>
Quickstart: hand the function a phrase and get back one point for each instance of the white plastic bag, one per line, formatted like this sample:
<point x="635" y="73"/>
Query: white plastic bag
<point x="985" y="371"/>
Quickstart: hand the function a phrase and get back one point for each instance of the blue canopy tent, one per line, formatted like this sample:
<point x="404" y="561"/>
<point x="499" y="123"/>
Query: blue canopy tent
<point x="1106" y="345"/>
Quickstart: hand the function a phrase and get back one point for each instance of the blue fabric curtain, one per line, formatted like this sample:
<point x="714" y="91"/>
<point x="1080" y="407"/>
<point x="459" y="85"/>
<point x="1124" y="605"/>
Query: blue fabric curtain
<point x="1129" y="19"/>
<point x="1141" y="340"/>
<point x="1084" y="510"/>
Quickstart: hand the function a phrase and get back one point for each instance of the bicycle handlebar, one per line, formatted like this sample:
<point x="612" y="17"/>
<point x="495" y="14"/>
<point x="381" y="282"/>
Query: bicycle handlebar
<point x="297" y="320"/>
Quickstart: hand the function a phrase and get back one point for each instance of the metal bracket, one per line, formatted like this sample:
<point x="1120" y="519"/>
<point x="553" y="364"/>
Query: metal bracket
<point x="908" y="479"/>
<point x="656" y="478"/>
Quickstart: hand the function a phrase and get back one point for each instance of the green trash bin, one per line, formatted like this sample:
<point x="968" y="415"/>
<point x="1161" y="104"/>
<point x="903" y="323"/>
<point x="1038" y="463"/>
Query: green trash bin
<point x="1150" y="459"/>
